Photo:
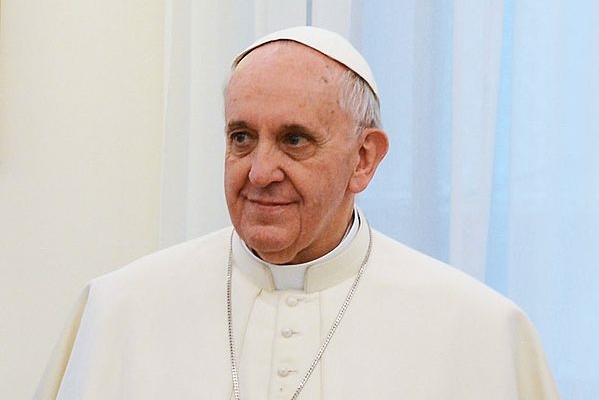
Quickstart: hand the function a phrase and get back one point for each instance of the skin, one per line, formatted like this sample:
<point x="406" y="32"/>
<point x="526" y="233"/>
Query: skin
<point x="293" y="162"/>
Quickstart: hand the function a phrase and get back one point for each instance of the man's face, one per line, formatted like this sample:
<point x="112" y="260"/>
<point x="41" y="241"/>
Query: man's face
<point x="291" y="153"/>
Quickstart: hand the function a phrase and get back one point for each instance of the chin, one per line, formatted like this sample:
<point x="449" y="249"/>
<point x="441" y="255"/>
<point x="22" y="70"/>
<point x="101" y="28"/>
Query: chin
<point x="273" y="244"/>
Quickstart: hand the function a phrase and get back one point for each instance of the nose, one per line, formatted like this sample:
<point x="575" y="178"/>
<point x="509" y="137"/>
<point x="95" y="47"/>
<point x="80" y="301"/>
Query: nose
<point x="266" y="166"/>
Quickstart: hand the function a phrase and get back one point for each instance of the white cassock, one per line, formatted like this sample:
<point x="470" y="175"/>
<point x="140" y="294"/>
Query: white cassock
<point x="415" y="329"/>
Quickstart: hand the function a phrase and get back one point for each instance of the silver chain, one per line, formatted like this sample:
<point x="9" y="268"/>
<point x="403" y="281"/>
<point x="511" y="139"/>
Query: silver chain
<point x="327" y="339"/>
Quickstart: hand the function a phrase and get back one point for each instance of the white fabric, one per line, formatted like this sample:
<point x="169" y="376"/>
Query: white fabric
<point x="416" y="329"/>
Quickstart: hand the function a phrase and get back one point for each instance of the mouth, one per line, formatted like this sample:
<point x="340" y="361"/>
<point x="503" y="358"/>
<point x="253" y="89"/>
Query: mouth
<point x="269" y="203"/>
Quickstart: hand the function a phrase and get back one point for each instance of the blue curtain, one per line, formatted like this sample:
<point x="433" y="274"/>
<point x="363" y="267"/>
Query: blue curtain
<point x="493" y="112"/>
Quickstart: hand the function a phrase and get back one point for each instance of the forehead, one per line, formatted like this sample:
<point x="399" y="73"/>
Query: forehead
<point x="286" y="66"/>
<point x="283" y="83"/>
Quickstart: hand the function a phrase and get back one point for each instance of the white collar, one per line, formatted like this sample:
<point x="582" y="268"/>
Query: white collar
<point x="332" y="268"/>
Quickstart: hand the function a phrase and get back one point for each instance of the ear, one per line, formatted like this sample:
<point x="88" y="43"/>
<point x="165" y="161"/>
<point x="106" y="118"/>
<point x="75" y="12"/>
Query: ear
<point x="373" y="147"/>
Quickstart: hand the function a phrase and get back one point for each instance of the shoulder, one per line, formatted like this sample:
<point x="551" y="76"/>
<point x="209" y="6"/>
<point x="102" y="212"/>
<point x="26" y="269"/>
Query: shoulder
<point x="196" y="261"/>
<point x="431" y="296"/>
<point x="406" y="271"/>
<point x="155" y="305"/>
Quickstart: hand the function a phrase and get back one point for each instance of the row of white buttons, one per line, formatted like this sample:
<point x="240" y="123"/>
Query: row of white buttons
<point x="291" y="301"/>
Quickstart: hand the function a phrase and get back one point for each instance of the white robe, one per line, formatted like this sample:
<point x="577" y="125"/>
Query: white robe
<point x="416" y="329"/>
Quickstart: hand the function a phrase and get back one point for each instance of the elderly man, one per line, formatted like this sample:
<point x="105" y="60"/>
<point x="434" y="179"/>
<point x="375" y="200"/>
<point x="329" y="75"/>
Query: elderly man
<point x="301" y="299"/>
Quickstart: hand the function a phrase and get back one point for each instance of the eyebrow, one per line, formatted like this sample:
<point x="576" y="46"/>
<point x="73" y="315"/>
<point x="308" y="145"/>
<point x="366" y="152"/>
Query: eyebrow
<point x="233" y="125"/>
<point x="297" y="128"/>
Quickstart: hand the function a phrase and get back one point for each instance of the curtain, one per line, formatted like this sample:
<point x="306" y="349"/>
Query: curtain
<point x="493" y="112"/>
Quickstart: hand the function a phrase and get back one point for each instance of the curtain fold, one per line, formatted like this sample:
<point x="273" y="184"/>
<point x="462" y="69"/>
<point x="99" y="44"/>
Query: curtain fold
<point x="477" y="35"/>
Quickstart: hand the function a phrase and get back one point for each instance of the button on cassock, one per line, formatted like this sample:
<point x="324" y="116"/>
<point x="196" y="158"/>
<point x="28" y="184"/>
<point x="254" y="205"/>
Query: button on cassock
<point x="287" y="333"/>
<point x="291" y="301"/>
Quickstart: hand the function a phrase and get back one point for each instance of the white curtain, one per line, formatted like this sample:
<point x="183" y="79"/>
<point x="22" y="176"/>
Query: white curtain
<point x="493" y="112"/>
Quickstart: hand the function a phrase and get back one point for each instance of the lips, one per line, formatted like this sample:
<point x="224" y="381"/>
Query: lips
<point x="269" y="202"/>
<point x="265" y="202"/>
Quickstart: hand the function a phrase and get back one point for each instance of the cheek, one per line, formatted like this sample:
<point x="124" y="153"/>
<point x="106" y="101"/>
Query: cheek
<point x="324" y="185"/>
<point x="235" y="177"/>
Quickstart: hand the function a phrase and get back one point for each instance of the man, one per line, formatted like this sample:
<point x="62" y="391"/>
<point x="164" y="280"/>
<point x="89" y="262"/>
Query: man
<point x="301" y="299"/>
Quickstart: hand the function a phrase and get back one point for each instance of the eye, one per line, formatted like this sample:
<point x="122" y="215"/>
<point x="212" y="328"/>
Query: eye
<point x="296" y="139"/>
<point x="240" y="142"/>
<point x="239" y="137"/>
<point x="298" y="145"/>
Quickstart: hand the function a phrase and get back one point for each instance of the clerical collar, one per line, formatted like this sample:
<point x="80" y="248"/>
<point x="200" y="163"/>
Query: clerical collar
<point x="332" y="268"/>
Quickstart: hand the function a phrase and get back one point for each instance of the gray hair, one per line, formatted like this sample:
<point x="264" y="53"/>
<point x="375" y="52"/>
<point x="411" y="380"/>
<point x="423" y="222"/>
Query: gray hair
<point x="358" y="99"/>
